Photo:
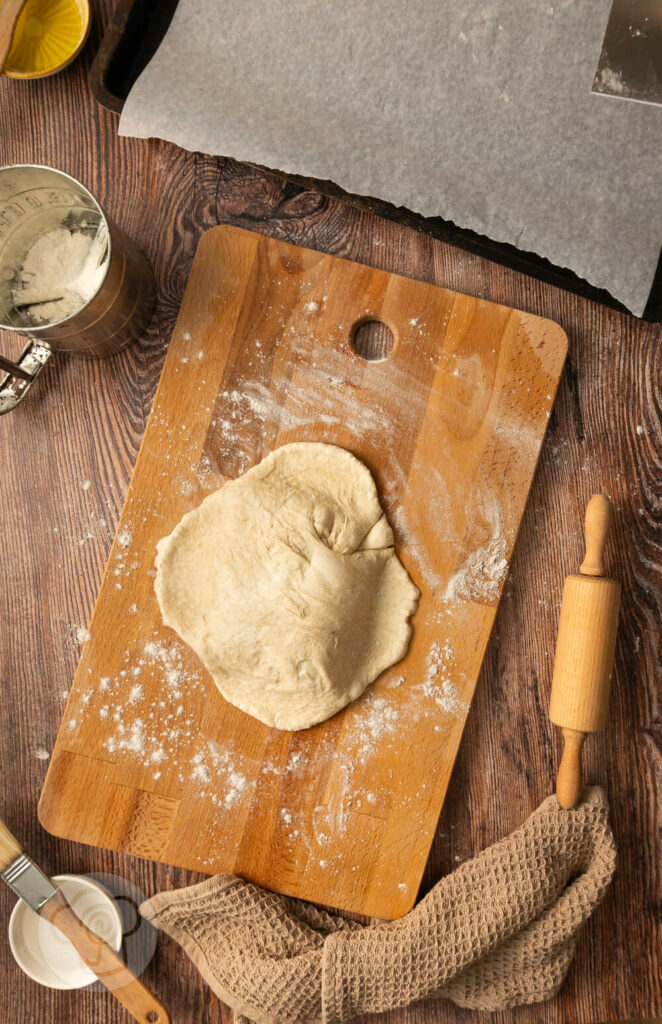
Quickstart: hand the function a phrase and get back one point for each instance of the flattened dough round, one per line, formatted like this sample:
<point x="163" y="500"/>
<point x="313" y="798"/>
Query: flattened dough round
<point x="286" y="584"/>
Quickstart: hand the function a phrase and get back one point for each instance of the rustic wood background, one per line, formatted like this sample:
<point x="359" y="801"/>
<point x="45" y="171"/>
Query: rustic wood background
<point x="85" y="422"/>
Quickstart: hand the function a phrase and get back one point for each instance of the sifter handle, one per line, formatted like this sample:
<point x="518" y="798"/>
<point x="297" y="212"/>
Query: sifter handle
<point x="596" y="528"/>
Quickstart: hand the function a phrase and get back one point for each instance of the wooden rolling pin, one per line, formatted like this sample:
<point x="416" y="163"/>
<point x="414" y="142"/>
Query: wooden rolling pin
<point x="584" y="652"/>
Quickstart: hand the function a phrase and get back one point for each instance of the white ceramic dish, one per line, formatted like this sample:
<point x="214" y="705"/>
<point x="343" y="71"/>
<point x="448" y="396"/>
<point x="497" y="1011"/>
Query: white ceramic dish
<point x="44" y="954"/>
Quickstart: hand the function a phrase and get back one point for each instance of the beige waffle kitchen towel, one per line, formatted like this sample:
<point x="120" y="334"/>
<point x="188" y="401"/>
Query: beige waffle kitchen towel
<point x="499" y="931"/>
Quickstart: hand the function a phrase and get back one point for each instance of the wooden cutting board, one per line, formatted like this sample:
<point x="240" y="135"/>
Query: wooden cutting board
<point x="150" y="759"/>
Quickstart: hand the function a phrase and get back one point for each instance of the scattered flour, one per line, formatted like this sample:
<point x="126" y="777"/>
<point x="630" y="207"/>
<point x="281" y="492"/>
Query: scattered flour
<point x="125" y="538"/>
<point x="438" y="683"/>
<point x="171" y="661"/>
<point x="375" y="719"/>
<point x="164" y="730"/>
<point x="381" y="718"/>
<point x="237" y="784"/>
<point x="479" y="579"/>
<point x="298" y="404"/>
<point x="135" y="738"/>
<point x="42" y="755"/>
<point x="200" y="769"/>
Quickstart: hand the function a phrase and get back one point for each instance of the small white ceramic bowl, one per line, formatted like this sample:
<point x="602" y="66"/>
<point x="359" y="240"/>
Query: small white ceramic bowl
<point x="44" y="953"/>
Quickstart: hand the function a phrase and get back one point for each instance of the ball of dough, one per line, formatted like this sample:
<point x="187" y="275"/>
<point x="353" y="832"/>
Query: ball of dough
<point x="286" y="584"/>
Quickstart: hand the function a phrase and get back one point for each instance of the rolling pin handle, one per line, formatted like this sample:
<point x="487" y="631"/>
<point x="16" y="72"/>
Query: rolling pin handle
<point x="596" y="528"/>
<point x="570" y="780"/>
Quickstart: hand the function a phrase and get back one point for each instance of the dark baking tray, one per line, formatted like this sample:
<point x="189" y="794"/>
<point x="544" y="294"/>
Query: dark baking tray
<point x="132" y="38"/>
<point x="130" y="41"/>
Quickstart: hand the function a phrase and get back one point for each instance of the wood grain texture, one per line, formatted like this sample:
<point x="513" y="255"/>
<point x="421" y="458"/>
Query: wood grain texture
<point x="85" y="421"/>
<point x="451" y="425"/>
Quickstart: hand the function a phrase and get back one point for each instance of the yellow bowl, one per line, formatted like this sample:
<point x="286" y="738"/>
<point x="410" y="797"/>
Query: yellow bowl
<point x="49" y="34"/>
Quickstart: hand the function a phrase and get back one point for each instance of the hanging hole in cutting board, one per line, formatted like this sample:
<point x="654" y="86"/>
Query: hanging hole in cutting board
<point x="373" y="340"/>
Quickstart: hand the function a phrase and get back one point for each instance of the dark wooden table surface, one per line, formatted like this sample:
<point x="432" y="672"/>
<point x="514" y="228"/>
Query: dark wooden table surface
<point x="85" y="422"/>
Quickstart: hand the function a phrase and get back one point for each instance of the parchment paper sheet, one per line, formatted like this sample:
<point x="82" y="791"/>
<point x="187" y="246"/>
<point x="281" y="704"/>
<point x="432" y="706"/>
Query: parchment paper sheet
<point x="479" y="112"/>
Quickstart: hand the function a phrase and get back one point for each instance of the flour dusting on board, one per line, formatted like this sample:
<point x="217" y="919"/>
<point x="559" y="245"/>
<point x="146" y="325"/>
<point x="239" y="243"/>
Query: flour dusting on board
<point x="484" y="569"/>
<point x="251" y="401"/>
<point x="159" y="731"/>
<point x="480" y="577"/>
<point x="125" y="538"/>
<point x="152" y="716"/>
<point x="439" y="683"/>
<point x="376" y="718"/>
